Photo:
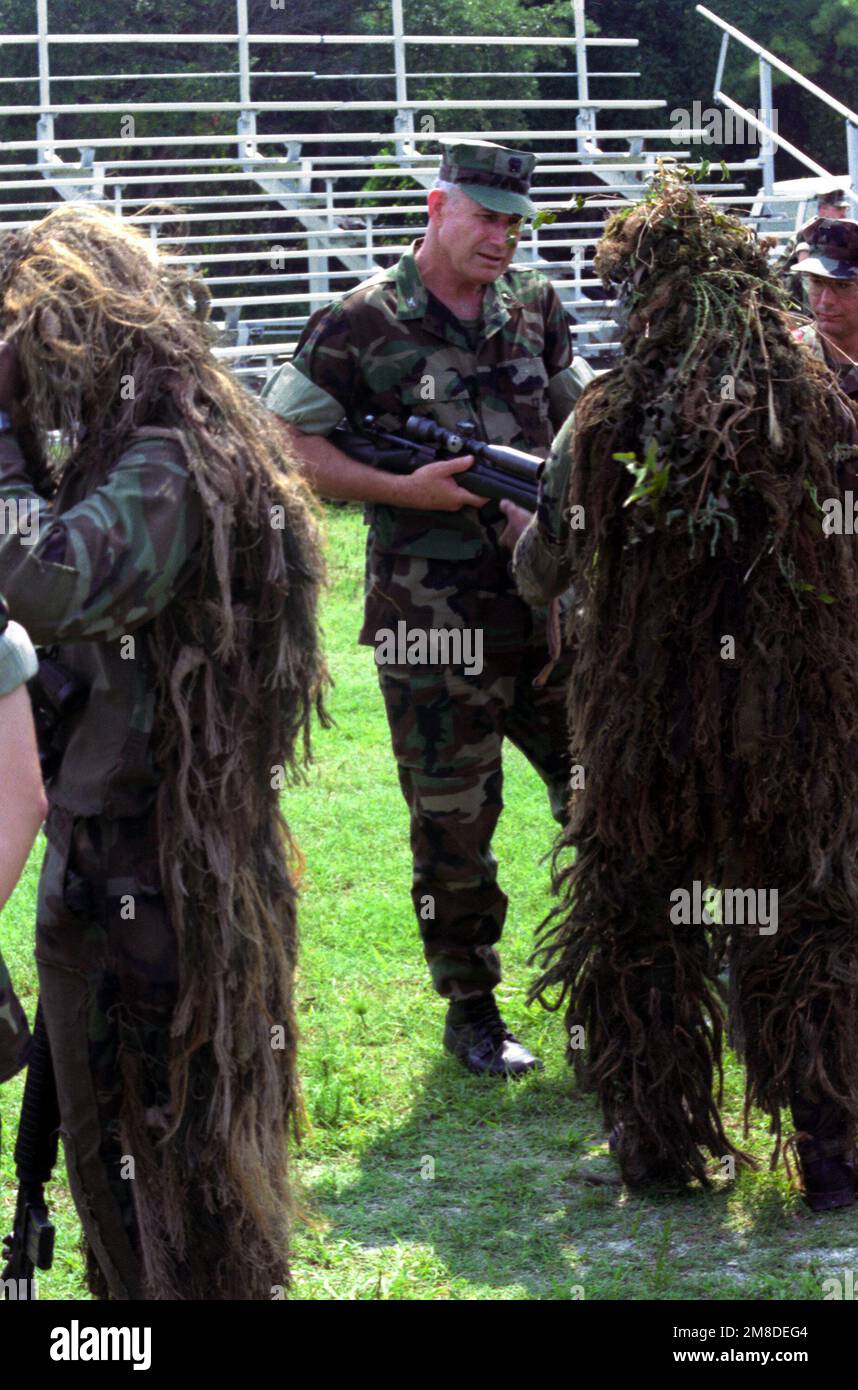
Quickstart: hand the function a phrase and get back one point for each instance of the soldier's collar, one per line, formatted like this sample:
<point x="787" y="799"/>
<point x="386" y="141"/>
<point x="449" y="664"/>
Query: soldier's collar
<point x="847" y="372"/>
<point x="411" y="293"/>
<point x="498" y="300"/>
<point x="412" y="300"/>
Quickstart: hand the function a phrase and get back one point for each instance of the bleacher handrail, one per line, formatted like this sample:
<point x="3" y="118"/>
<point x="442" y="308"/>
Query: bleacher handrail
<point x="441" y="40"/>
<point x="778" y="63"/>
<point x="767" y="60"/>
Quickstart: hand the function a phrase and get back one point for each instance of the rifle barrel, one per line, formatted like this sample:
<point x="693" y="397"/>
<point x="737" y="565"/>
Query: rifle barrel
<point x="512" y="461"/>
<point x="488" y="482"/>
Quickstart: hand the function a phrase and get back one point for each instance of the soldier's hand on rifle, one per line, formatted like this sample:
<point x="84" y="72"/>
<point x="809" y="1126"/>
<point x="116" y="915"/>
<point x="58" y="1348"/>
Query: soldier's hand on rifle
<point x="433" y="487"/>
<point x="10" y="376"/>
<point x="517" y="520"/>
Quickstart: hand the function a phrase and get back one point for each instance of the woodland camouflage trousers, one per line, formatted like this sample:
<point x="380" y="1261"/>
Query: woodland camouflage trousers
<point x="447" y="730"/>
<point x="108" y="976"/>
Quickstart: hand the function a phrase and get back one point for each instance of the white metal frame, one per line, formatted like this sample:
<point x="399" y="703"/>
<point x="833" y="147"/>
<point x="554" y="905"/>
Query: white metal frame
<point x="772" y="139"/>
<point x="339" y="237"/>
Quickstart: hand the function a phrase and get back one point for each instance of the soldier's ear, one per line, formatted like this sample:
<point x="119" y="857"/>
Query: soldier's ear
<point x="437" y="199"/>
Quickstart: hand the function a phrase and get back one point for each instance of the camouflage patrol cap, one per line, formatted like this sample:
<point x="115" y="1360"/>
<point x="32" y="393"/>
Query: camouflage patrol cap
<point x="833" y="243"/>
<point x="494" y="176"/>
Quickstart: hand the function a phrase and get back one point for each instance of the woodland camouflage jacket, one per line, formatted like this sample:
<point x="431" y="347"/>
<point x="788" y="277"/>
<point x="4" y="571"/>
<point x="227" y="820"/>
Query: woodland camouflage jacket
<point x="390" y="348"/>
<point x="845" y="371"/>
<point x="86" y="574"/>
<point x="102" y="561"/>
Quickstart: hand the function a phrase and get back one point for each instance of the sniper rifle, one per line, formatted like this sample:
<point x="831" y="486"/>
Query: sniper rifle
<point x="30" y="1246"/>
<point x="498" y="471"/>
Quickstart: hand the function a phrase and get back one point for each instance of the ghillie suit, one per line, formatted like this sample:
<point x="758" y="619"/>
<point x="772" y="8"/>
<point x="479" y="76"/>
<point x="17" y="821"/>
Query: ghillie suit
<point x="713" y="704"/>
<point x="194" y="1009"/>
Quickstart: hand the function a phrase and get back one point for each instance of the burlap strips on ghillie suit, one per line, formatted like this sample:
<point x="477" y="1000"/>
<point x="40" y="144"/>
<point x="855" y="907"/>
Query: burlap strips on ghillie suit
<point x="238" y="674"/>
<point x="738" y="771"/>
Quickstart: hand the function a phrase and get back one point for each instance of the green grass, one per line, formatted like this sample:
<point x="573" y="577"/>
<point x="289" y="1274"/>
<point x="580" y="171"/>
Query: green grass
<point x="419" y="1181"/>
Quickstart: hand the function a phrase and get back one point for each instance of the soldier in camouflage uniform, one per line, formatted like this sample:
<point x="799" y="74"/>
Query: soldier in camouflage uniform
<point x="540" y="559"/>
<point x="19" y="818"/>
<point x="452" y="333"/>
<point x="102" y="797"/>
<point x="611" y="961"/>
<point x="830" y="273"/>
<point x="165" y="934"/>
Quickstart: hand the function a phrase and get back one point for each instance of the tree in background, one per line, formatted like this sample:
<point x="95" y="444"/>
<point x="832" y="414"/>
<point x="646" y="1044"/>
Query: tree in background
<point x="679" y="52"/>
<point x="442" y="17"/>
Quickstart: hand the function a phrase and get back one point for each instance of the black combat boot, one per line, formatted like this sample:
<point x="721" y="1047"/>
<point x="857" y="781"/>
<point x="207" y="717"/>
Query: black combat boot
<point x="826" y="1154"/>
<point x="477" y="1035"/>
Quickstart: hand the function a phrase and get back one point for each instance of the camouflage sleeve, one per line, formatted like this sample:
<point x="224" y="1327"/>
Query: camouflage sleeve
<point x="109" y="563"/>
<point x="565" y="389"/>
<point x="294" y="397"/>
<point x="328" y="356"/>
<point x="18" y="662"/>
<point x="14" y="1030"/>
<point x="557" y="354"/>
<point x="540" y="561"/>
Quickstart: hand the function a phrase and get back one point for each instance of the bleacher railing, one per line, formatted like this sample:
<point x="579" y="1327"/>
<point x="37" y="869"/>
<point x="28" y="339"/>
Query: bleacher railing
<point x="300" y="223"/>
<point x="772" y="138"/>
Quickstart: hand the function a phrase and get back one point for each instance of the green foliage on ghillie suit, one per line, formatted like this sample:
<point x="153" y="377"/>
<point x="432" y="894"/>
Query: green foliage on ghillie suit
<point x="239" y="673"/>
<point x="702" y="462"/>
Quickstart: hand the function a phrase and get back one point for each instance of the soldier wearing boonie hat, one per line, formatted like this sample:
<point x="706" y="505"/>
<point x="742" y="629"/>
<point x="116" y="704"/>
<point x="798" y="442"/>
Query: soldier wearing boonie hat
<point x="832" y="291"/>
<point x="494" y="176"/>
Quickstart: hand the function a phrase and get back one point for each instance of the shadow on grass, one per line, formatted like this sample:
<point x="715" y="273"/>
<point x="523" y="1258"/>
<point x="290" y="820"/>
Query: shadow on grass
<point x="511" y="1188"/>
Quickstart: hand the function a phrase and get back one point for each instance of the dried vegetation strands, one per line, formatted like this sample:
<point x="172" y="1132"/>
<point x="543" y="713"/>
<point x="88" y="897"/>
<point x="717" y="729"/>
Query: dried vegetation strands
<point x="701" y="461"/>
<point x="112" y="337"/>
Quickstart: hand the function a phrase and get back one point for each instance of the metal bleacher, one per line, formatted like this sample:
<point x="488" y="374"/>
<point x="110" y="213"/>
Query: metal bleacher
<point x="274" y="205"/>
